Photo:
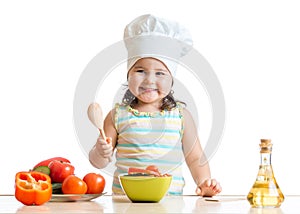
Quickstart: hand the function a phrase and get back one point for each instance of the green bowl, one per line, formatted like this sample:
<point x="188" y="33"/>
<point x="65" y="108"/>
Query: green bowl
<point x="145" y="188"/>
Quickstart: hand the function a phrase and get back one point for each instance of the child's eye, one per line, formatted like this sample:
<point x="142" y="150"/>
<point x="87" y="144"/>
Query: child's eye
<point x="160" y="73"/>
<point x="140" y="71"/>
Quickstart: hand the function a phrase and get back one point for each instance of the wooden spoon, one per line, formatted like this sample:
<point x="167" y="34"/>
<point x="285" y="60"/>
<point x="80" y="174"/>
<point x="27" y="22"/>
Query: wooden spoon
<point x="96" y="117"/>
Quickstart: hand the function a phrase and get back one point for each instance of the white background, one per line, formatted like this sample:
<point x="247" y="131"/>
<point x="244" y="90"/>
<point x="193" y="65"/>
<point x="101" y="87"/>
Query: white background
<point x="253" y="47"/>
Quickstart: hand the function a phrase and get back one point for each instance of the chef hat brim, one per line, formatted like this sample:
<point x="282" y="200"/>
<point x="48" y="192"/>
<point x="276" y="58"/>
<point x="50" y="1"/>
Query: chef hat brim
<point x="169" y="63"/>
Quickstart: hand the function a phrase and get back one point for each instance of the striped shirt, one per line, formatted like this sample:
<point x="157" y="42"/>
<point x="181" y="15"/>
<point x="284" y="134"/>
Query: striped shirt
<point x="149" y="139"/>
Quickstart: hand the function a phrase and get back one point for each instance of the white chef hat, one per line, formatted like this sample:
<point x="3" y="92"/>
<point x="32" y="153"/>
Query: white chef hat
<point x="150" y="36"/>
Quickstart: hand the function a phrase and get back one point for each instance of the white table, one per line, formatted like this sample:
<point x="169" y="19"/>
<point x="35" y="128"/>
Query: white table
<point x="169" y="204"/>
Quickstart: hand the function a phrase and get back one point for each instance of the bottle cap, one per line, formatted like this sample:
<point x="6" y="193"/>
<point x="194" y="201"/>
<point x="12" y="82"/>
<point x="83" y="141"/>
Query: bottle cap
<point x="265" y="146"/>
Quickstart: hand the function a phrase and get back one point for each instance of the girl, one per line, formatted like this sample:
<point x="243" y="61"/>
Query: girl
<point x="150" y="128"/>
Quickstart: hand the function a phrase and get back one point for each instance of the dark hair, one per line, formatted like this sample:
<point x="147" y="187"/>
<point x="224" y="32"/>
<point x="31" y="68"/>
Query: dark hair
<point x="168" y="102"/>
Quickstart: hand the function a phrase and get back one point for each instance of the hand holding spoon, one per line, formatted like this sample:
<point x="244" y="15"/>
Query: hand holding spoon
<point x="96" y="117"/>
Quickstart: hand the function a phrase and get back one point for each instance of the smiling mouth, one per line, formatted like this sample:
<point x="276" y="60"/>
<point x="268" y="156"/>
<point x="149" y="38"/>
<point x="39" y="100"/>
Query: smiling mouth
<point x="147" y="90"/>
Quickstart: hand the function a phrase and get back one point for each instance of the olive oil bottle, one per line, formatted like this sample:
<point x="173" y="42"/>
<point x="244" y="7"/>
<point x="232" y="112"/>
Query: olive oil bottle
<point x="265" y="192"/>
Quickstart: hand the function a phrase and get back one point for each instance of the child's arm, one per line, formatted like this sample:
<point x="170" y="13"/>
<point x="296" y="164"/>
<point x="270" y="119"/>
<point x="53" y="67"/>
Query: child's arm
<point x="196" y="160"/>
<point x="101" y="152"/>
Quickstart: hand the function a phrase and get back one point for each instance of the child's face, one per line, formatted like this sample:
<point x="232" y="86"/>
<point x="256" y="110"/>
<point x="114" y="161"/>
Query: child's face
<point x="149" y="80"/>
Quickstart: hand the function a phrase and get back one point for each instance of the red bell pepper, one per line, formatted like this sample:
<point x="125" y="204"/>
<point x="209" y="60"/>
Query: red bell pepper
<point x="48" y="161"/>
<point x="33" y="188"/>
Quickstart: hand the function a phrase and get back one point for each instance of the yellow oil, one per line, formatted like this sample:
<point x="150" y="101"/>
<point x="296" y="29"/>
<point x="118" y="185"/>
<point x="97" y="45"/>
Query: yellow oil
<point x="265" y="192"/>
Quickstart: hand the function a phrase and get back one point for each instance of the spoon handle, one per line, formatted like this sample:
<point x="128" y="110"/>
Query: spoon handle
<point x="102" y="133"/>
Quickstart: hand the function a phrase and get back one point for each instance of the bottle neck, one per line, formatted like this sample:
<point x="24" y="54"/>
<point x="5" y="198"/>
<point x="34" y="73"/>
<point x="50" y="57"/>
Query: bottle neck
<point x="265" y="158"/>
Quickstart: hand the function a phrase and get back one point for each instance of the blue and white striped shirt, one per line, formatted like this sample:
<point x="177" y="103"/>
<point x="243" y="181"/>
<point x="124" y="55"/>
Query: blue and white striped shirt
<point x="149" y="139"/>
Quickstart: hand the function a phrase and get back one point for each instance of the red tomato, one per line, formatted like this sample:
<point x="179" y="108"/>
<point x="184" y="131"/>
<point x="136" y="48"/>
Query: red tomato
<point x="95" y="183"/>
<point x="73" y="185"/>
<point x="152" y="168"/>
<point x="133" y="170"/>
<point x="60" y="170"/>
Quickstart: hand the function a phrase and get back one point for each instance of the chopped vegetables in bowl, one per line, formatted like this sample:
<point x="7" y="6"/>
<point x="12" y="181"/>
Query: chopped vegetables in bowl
<point x="145" y="186"/>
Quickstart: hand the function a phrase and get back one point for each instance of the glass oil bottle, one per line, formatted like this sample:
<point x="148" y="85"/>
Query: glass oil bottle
<point x="265" y="192"/>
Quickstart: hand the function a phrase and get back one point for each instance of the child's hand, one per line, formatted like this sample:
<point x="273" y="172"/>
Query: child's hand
<point x="104" y="148"/>
<point x="208" y="187"/>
